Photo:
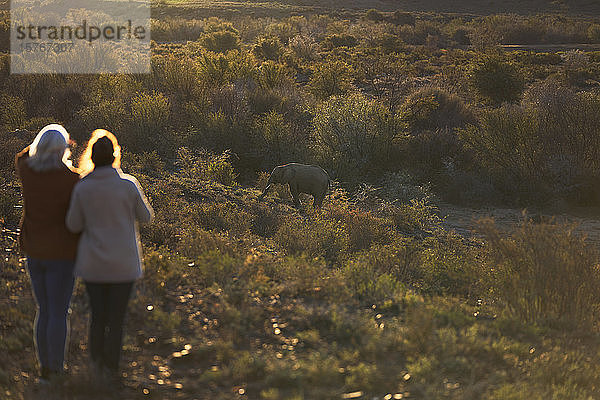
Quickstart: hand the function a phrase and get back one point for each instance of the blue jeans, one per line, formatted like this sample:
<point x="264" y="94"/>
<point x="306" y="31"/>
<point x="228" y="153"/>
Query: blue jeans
<point x="52" y="282"/>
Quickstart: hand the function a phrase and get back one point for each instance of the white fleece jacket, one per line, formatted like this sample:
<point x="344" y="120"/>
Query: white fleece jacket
<point x="105" y="207"/>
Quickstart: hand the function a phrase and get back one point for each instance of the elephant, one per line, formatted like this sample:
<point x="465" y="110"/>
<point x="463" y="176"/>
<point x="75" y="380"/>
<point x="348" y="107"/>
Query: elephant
<point x="301" y="178"/>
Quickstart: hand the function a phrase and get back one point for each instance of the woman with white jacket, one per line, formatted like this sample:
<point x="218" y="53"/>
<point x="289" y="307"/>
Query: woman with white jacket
<point x="105" y="208"/>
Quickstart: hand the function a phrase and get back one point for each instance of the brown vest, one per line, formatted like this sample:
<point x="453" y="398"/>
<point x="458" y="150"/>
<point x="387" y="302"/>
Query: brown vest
<point x="46" y="196"/>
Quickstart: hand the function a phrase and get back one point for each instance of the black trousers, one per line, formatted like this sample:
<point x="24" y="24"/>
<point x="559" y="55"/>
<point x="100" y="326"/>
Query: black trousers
<point x="109" y="305"/>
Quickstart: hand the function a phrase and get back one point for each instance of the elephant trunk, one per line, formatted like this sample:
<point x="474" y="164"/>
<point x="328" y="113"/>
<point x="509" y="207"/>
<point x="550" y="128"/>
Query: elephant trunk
<point x="264" y="193"/>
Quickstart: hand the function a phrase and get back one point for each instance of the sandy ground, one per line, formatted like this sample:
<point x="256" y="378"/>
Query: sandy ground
<point x="463" y="220"/>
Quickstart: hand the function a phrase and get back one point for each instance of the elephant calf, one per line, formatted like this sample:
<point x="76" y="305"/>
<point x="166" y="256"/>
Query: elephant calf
<point x="301" y="178"/>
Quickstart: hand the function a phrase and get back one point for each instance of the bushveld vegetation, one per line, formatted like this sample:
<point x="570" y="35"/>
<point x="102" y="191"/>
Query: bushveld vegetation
<point x="370" y="297"/>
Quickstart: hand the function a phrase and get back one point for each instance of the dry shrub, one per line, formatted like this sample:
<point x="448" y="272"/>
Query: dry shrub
<point x="331" y="78"/>
<point x="110" y="114"/>
<point x="226" y="216"/>
<point x="178" y="76"/>
<point x="150" y="122"/>
<point x="206" y="166"/>
<point x="318" y="236"/>
<point x="431" y="108"/>
<point x="353" y="135"/>
<point x="496" y="81"/>
<point x="279" y="141"/>
<point x="547" y="147"/>
<point x="304" y="47"/>
<point x="220" y="41"/>
<point x="365" y="229"/>
<point x="543" y="273"/>
<point x="266" y="222"/>
<point x="195" y="242"/>
<point x="268" y="48"/>
<point x="415" y="215"/>
<point x="175" y="29"/>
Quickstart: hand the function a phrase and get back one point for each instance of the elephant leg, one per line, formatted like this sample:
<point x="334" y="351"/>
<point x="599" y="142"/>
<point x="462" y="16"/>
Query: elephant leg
<point x="318" y="201"/>
<point x="295" y="196"/>
<point x="296" y="200"/>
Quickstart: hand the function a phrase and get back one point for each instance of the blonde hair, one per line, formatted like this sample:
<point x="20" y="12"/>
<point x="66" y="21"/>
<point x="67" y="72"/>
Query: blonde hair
<point x="86" y="165"/>
<point x="50" y="149"/>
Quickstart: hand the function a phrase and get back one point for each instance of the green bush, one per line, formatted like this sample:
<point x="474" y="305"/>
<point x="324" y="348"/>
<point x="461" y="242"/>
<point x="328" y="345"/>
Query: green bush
<point x="268" y="48"/>
<point x="220" y="131"/>
<point x="448" y="265"/>
<point x="496" y="81"/>
<point x="340" y="40"/>
<point x="203" y="165"/>
<point x="107" y="113"/>
<point x="301" y="275"/>
<point x="178" y="76"/>
<point x="281" y="143"/>
<point x="366" y="229"/>
<point x="4" y="68"/>
<point x="389" y="42"/>
<point x="414" y="215"/>
<point x="4" y="34"/>
<point x="10" y="207"/>
<point x="148" y="164"/>
<point x="225" y="216"/>
<point x="429" y="153"/>
<point x="267" y="220"/>
<point x="353" y="134"/>
<point x="507" y="145"/>
<point x="298" y="236"/>
<point x="196" y="242"/>
<point x="220" y="41"/>
<point x="151" y="122"/>
<point x="283" y="30"/>
<point x="431" y="108"/>
<point x="369" y="285"/>
<point x="214" y="267"/>
<point x="402" y="187"/>
<point x="331" y="78"/>
<point x="216" y="69"/>
<point x="273" y="75"/>
<point x="113" y="87"/>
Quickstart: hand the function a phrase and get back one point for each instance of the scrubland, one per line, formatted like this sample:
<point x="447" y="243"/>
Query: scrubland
<point x="372" y="296"/>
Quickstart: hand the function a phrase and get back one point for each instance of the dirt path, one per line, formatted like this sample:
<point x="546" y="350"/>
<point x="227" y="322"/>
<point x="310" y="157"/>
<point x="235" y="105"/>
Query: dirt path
<point x="463" y="220"/>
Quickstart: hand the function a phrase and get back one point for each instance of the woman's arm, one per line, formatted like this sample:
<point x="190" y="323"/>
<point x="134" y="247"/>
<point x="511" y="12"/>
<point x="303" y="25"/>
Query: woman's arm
<point x="74" y="219"/>
<point x="20" y="157"/>
<point x="143" y="210"/>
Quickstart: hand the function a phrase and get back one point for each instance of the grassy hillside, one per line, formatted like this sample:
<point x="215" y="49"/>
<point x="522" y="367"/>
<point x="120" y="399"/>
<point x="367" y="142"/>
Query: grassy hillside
<point x="368" y="299"/>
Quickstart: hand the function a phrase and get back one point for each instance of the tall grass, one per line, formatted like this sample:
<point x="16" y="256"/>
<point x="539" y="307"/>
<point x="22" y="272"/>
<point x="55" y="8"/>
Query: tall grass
<point x="543" y="273"/>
